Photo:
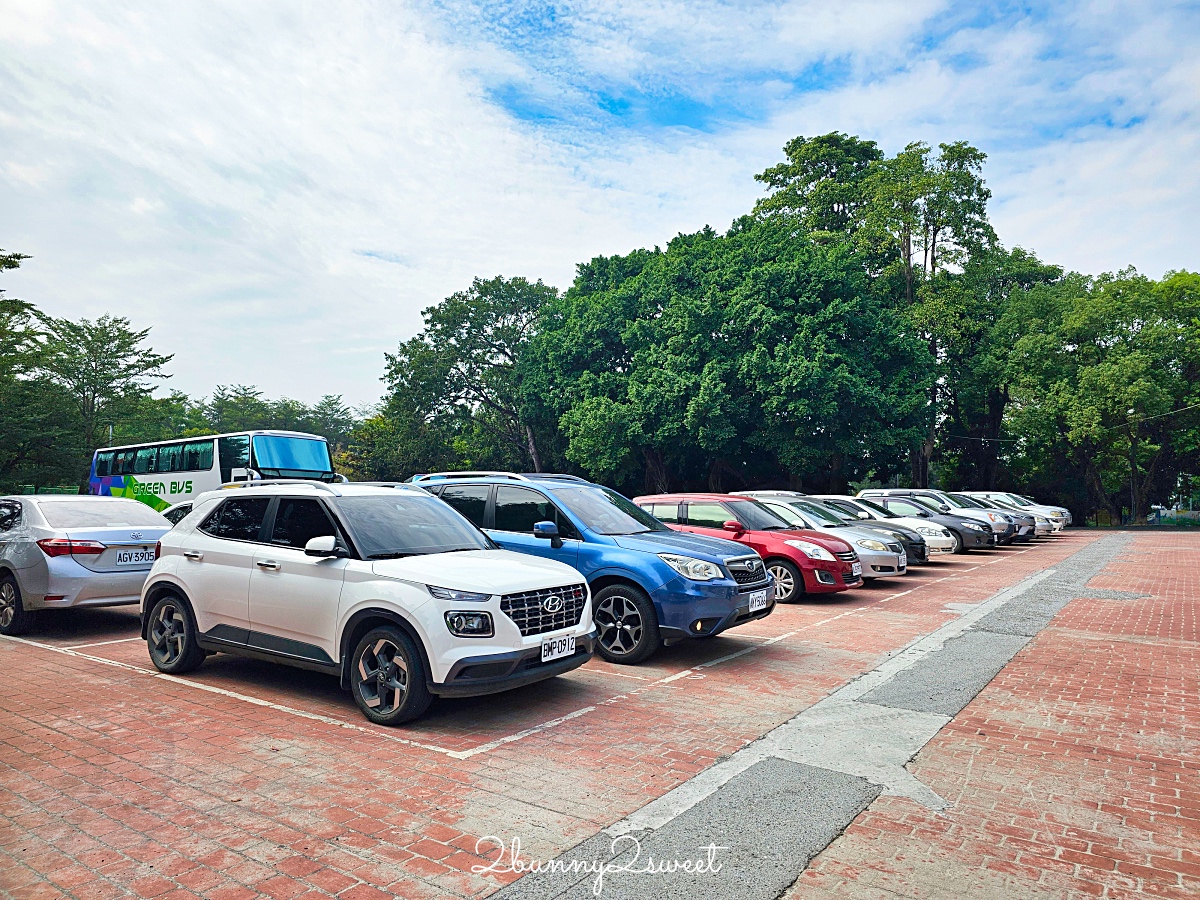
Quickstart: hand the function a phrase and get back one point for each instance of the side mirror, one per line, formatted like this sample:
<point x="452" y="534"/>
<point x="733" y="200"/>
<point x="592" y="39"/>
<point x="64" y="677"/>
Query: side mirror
<point x="547" y="531"/>
<point x="734" y="526"/>
<point x="325" y="545"/>
<point x="943" y="507"/>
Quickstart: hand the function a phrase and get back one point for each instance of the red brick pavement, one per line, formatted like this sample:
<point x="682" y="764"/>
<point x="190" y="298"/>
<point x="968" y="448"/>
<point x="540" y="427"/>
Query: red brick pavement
<point x="114" y="782"/>
<point x="1074" y="773"/>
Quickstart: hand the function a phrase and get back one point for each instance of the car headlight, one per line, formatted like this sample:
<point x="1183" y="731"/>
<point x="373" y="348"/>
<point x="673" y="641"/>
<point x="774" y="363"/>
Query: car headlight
<point x="974" y="526"/>
<point x="695" y="569"/>
<point x="812" y="551"/>
<point x="1041" y="520"/>
<point x="930" y="530"/>
<point x="469" y="624"/>
<point x="442" y="593"/>
<point x="877" y="546"/>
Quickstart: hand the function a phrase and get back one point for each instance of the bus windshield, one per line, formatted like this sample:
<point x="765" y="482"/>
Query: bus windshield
<point x="285" y="457"/>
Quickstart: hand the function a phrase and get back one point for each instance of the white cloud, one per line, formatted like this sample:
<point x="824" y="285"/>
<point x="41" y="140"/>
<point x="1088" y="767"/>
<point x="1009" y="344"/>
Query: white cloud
<point x="280" y="189"/>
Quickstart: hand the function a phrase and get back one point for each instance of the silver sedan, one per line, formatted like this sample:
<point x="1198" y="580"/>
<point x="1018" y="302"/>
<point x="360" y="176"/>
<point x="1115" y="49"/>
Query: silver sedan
<point x="68" y="551"/>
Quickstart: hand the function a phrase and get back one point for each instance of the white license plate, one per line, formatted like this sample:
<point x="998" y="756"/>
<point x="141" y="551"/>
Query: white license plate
<point x="856" y="568"/>
<point x="903" y="560"/>
<point x="134" y="557"/>
<point x="758" y="601"/>
<point x="558" y="647"/>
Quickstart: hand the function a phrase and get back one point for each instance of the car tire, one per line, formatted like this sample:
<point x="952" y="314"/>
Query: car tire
<point x="788" y="576"/>
<point x="387" y="677"/>
<point x="626" y="624"/>
<point x="171" y="637"/>
<point x="15" y="619"/>
<point x="959" y="545"/>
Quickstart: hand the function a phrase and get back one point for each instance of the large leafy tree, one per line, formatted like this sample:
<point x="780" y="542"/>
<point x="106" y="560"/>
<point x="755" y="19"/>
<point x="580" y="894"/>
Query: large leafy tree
<point x="463" y="368"/>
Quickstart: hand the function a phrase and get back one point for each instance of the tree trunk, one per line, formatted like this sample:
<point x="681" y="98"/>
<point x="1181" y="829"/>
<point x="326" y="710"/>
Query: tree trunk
<point x="656" y="472"/>
<point x="533" y="450"/>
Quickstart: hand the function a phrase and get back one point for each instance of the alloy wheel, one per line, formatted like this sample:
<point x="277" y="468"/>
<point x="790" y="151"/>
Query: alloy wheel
<point x="785" y="584"/>
<point x="620" y="624"/>
<point x="167" y="634"/>
<point x="384" y="676"/>
<point x="8" y="603"/>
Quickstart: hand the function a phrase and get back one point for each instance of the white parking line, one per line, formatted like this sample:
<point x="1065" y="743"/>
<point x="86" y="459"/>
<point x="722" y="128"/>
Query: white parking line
<point x="103" y="643"/>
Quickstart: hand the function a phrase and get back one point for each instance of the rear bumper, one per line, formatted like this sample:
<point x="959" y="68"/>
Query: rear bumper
<point x="496" y="672"/>
<point x="79" y="586"/>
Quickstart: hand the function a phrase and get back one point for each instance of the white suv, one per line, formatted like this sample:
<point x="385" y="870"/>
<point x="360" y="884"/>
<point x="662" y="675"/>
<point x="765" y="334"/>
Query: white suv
<point x="390" y="589"/>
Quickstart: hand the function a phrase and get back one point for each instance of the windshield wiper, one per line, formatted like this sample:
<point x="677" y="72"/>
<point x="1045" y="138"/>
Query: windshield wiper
<point x="394" y="554"/>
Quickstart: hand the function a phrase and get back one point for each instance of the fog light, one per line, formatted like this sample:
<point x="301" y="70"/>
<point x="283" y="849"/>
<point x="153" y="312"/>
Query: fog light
<point x="825" y="577"/>
<point x="702" y="626"/>
<point x="469" y="624"/>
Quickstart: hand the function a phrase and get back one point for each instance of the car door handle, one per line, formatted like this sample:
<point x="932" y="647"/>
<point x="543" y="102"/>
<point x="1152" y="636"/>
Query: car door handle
<point x="267" y="564"/>
<point x="194" y="555"/>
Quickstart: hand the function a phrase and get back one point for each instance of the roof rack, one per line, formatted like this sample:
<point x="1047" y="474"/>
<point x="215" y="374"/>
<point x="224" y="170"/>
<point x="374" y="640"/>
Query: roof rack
<point x="451" y="476"/>
<point x="406" y="485"/>
<point x="307" y="482"/>
<point x="769" y="492"/>
<point x="553" y="476"/>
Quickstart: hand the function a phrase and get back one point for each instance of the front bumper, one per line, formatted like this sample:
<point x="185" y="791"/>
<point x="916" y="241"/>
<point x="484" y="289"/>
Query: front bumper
<point x="477" y="675"/>
<point x="879" y="564"/>
<point x="708" y="626"/>
<point x="977" y="540"/>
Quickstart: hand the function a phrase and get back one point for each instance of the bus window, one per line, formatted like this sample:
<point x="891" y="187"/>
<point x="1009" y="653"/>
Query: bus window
<point x="146" y="460"/>
<point x="104" y="463"/>
<point x="170" y="458"/>
<point x="282" y="456"/>
<point x="234" y="453"/>
<point x="123" y="462"/>
<point x="198" y="456"/>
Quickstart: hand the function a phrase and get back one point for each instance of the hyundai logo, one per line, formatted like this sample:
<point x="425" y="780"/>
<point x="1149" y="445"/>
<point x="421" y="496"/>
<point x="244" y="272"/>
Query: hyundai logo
<point x="553" y="604"/>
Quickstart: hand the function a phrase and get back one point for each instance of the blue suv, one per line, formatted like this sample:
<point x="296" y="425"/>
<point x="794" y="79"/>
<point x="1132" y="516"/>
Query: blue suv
<point x="650" y="585"/>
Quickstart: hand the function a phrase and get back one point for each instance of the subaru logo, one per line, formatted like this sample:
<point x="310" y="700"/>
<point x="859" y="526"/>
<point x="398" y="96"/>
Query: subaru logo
<point x="553" y="604"/>
<point x="136" y="535"/>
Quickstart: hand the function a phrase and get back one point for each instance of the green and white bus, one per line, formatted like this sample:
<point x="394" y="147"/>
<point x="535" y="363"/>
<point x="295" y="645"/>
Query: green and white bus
<point x="164" y="473"/>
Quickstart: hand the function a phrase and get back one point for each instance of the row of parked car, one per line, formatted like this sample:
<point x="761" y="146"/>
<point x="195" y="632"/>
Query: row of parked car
<point x="461" y="584"/>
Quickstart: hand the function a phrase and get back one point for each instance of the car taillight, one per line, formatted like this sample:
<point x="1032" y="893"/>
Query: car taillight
<point x="157" y="549"/>
<point x="68" y="547"/>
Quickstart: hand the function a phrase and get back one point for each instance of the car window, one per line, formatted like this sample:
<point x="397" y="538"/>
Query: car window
<point x="708" y="515"/>
<point x="298" y="521"/>
<point x="517" y="509"/>
<point x="905" y="507"/>
<point x="99" y="513"/>
<point x="664" y="512"/>
<point x="816" y="511"/>
<point x="843" y="513"/>
<point x="176" y="514"/>
<point x="238" y="520"/>
<point x="410" y="523"/>
<point x="10" y="514"/>
<point x="468" y="499"/>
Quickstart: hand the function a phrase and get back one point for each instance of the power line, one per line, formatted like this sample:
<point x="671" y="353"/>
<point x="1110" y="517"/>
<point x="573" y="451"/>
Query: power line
<point x="967" y="437"/>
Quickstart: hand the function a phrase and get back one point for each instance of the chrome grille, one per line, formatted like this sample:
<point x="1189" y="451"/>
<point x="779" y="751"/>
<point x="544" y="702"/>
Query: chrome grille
<point x="748" y="570"/>
<point x="528" y="609"/>
<point x="848" y="556"/>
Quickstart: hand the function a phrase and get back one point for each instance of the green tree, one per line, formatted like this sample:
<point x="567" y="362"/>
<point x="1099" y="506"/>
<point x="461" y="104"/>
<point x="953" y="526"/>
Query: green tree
<point x="464" y="366"/>
<point x="821" y="185"/>
<point x="102" y="365"/>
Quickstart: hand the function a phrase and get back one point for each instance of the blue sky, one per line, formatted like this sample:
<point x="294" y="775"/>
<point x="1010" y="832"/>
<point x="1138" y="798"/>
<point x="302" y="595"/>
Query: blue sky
<point x="278" y="189"/>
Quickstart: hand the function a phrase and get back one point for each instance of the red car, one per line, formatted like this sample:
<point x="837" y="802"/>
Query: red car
<point x="802" y="561"/>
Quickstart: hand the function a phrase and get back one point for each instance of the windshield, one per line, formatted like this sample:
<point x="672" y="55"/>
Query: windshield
<point x="100" y="514"/>
<point x="409" y="524"/>
<point x="925" y="502"/>
<point x="757" y="517"/>
<point x="607" y="512"/>
<point x="1019" y="500"/>
<point x="882" y="511"/>
<point x="814" y="511"/>
<point x="291" y="456"/>
<point x="948" y="499"/>
<point x="785" y="512"/>
<point x="970" y="502"/>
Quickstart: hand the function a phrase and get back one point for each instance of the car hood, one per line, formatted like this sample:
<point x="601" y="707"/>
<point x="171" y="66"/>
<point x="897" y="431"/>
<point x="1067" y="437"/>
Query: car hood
<point x="484" y="571"/>
<point x="854" y="533"/>
<point x="712" y="548"/>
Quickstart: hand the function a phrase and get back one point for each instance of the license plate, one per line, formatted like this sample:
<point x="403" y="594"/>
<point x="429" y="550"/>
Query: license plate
<point x="856" y="568"/>
<point x="558" y="647"/>
<point x="134" y="557"/>
<point x="758" y="601"/>
<point x="903" y="560"/>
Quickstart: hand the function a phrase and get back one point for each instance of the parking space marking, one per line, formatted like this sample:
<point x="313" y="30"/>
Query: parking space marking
<point x="103" y="643"/>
